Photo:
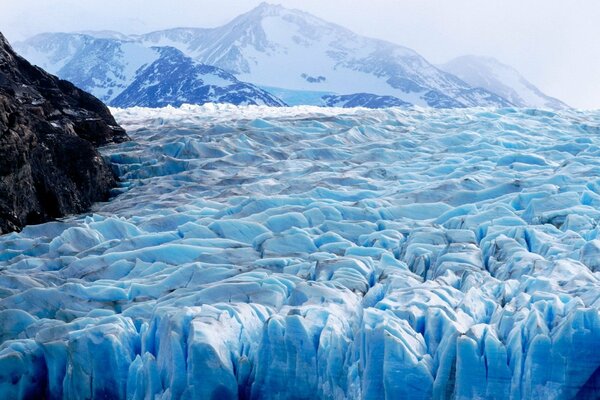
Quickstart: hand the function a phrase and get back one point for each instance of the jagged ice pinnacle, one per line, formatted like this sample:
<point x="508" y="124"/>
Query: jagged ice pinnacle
<point x="304" y="253"/>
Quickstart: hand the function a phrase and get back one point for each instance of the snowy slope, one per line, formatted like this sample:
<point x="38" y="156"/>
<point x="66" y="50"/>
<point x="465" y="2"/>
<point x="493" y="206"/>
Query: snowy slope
<point x="52" y="51"/>
<point x="319" y="253"/>
<point x="288" y="50"/>
<point x="127" y="73"/>
<point x="103" y="67"/>
<point x="278" y="47"/>
<point x="505" y="81"/>
<point x="174" y="79"/>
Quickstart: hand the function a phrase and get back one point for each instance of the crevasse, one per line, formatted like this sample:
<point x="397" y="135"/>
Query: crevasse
<point x="308" y="253"/>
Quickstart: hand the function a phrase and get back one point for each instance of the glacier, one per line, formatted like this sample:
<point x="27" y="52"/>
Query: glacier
<point x="299" y="253"/>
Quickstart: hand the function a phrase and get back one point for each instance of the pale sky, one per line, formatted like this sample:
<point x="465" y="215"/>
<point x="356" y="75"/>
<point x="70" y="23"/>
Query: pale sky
<point x="553" y="43"/>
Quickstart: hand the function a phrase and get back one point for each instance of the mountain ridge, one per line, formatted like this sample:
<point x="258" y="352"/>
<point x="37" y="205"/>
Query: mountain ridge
<point x="258" y="47"/>
<point x="293" y="52"/>
<point x="49" y="134"/>
<point x="495" y="76"/>
<point x="109" y="67"/>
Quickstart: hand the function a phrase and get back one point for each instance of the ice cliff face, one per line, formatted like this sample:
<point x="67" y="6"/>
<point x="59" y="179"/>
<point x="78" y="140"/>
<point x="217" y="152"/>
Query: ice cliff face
<point x="319" y="253"/>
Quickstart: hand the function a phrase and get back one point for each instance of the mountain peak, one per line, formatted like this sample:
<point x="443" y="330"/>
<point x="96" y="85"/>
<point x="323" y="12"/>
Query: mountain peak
<point x="493" y="75"/>
<point x="3" y="40"/>
<point x="269" y="6"/>
<point x="5" y="47"/>
<point x="280" y="48"/>
<point x="265" y="9"/>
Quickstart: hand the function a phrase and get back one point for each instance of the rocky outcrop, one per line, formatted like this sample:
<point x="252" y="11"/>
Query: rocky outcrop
<point x="49" y="131"/>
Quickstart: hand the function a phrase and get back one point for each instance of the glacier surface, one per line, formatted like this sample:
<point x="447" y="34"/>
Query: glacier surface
<point x="305" y="253"/>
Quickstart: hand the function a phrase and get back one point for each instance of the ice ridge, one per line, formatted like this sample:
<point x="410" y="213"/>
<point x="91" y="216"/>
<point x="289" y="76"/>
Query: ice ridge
<point x="256" y="252"/>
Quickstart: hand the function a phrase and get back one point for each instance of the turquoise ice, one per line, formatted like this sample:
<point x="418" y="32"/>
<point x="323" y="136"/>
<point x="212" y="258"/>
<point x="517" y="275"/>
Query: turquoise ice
<point x="309" y="253"/>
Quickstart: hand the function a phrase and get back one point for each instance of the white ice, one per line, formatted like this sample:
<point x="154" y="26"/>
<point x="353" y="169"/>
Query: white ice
<point x="308" y="253"/>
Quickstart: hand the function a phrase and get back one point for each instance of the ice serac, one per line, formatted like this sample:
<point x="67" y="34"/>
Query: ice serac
<point x="319" y="253"/>
<point x="49" y="131"/>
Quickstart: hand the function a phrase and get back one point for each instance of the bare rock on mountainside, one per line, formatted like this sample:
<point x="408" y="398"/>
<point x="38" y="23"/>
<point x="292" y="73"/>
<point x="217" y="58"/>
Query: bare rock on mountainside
<point x="49" y="131"/>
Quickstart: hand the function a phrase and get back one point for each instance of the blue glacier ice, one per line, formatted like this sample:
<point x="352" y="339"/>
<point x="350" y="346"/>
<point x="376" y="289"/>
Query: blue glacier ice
<point x="303" y="253"/>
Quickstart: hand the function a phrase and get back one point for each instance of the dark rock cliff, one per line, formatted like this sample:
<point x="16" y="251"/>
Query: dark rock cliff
<point x="49" y="131"/>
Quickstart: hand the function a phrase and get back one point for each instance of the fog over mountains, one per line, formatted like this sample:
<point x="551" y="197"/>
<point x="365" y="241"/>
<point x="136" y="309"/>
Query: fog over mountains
<point x="492" y="75"/>
<point x="272" y="56"/>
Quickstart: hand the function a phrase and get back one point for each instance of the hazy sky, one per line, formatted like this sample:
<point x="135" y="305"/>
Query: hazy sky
<point x="554" y="43"/>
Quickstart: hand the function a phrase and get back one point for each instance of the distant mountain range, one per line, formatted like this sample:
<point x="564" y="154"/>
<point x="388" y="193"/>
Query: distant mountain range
<point x="492" y="75"/>
<point x="272" y="56"/>
<point x="126" y="73"/>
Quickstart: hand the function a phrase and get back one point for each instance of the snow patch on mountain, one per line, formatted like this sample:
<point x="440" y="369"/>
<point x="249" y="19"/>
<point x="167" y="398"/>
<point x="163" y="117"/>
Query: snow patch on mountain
<point x="103" y="67"/>
<point x="174" y="79"/>
<point x="499" y="78"/>
<point x="277" y="47"/>
<point x="127" y="73"/>
<point x="52" y="51"/>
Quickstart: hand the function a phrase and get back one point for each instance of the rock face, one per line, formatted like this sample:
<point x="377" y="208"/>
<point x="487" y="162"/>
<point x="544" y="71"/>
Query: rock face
<point x="49" y="131"/>
<point x="175" y="79"/>
<point x="125" y="73"/>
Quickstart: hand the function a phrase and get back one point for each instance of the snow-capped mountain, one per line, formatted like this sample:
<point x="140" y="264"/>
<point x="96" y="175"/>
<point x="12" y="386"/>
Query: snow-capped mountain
<point x="127" y="73"/>
<point x="174" y="79"/>
<point x="499" y="78"/>
<point x="289" y="51"/>
<point x="104" y="67"/>
<point x="278" y="47"/>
